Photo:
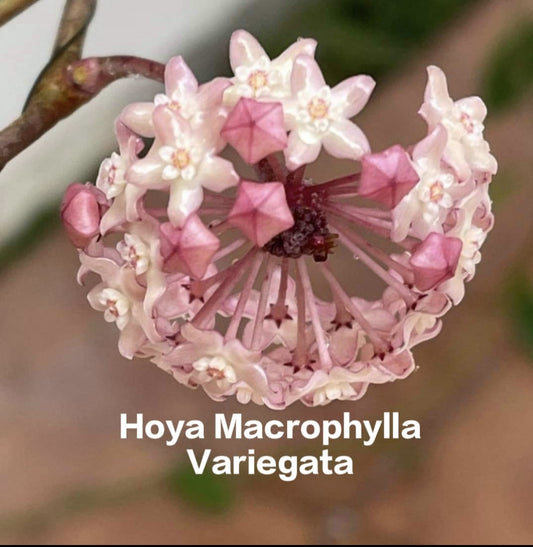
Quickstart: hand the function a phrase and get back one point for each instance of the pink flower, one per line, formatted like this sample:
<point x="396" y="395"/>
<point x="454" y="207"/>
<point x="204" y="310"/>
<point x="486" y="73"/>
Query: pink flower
<point x="242" y="277"/>
<point x="221" y="368"/>
<point x="425" y="207"/>
<point x="466" y="149"/>
<point x="256" y="76"/>
<point x="112" y="180"/>
<point x="319" y="115"/>
<point x="185" y="162"/>
<point x="199" y="105"/>
<point x="121" y="297"/>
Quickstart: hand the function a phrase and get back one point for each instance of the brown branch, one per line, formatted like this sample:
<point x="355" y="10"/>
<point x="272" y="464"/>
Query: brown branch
<point x="64" y="90"/>
<point x="66" y="83"/>
<point x="11" y="8"/>
<point x="76" y="16"/>
<point x="92" y="74"/>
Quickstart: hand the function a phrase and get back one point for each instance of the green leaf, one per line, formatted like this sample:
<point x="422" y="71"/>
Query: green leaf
<point x="509" y="72"/>
<point x="206" y="492"/>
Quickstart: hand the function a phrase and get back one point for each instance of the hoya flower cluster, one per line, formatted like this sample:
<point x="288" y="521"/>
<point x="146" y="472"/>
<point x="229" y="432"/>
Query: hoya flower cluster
<point x="220" y="260"/>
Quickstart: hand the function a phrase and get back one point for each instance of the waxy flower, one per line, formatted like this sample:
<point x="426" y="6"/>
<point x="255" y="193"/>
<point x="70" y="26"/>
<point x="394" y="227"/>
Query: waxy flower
<point x="256" y="76"/>
<point x="319" y="115"/>
<point x="184" y="161"/>
<point x="121" y="297"/>
<point x="196" y="104"/>
<point x="466" y="150"/>
<point x="112" y="181"/>
<point x="223" y="262"/>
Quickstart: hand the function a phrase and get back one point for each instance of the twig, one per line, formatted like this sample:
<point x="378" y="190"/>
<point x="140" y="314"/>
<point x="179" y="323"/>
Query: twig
<point x="67" y="82"/>
<point x="65" y="90"/>
<point x="76" y="16"/>
<point x="92" y="74"/>
<point x="11" y="8"/>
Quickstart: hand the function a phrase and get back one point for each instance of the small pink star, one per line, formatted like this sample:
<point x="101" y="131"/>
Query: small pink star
<point x="261" y="211"/>
<point x="435" y="260"/>
<point x="189" y="249"/>
<point x="386" y="177"/>
<point x="255" y="129"/>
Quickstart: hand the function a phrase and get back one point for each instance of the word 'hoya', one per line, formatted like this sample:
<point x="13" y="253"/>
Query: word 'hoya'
<point x="216" y="271"/>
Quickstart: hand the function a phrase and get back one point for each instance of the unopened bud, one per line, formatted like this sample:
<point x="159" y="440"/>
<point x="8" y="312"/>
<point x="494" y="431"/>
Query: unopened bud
<point x="81" y="211"/>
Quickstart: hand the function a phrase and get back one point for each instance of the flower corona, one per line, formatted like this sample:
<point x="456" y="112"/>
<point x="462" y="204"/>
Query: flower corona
<point x="226" y="264"/>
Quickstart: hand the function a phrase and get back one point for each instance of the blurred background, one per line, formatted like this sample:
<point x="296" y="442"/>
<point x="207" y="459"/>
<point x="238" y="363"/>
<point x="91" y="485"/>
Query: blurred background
<point x="65" y="475"/>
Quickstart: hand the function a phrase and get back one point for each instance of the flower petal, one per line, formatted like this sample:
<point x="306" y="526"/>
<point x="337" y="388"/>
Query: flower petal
<point x="298" y="153"/>
<point x="216" y="174"/>
<point x="184" y="199"/>
<point x="244" y="49"/>
<point x="345" y="140"/>
<point x="306" y="75"/>
<point x="210" y="94"/>
<point x="353" y="93"/>
<point x="302" y="46"/>
<point x="432" y="147"/>
<point x="132" y="337"/>
<point x="179" y="78"/>
<point x="437" y="100"/>
<point x="169" y="126"/>
<point x="147" y="172"/>
<point x="473" y="106"/>
<point x="138" y="118"/>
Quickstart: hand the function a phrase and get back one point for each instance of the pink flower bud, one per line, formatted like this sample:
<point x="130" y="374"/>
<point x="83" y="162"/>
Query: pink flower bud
<point x="81" y="210"/>
<point x="255" y="129"/>
<point x="261" y="211"/>
<point x="189" y="249"/>
<point x="386" y="177"/>
<point x="435" y="260"/>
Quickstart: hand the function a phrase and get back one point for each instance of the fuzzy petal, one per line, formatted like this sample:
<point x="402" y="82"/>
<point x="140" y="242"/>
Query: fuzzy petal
<point x="184" y="199"/>
<point x="131" y="339"/>
<point x="454" y="156"/>
<point x="432" y="147"/>
<point x="179" y="78"/>
<point x="169" y="126"/>
<point x="353" y="93"/>
<point x="156" y="286"/>
<point x="473" y="106"/>
<point x="298" y="153"/>
<point x="302" y="46"/>
<point x="106" y="268"/>
<point x="138" y="118"/>
<point x="216" y="174"/>
<point x="436" y="97"/>
<point x="244" y="49"/>
<point x="306" y="74"/>
<point x="147" y="172"/>
<point x="345" y="140"/>
<point x="210" y="94"/>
